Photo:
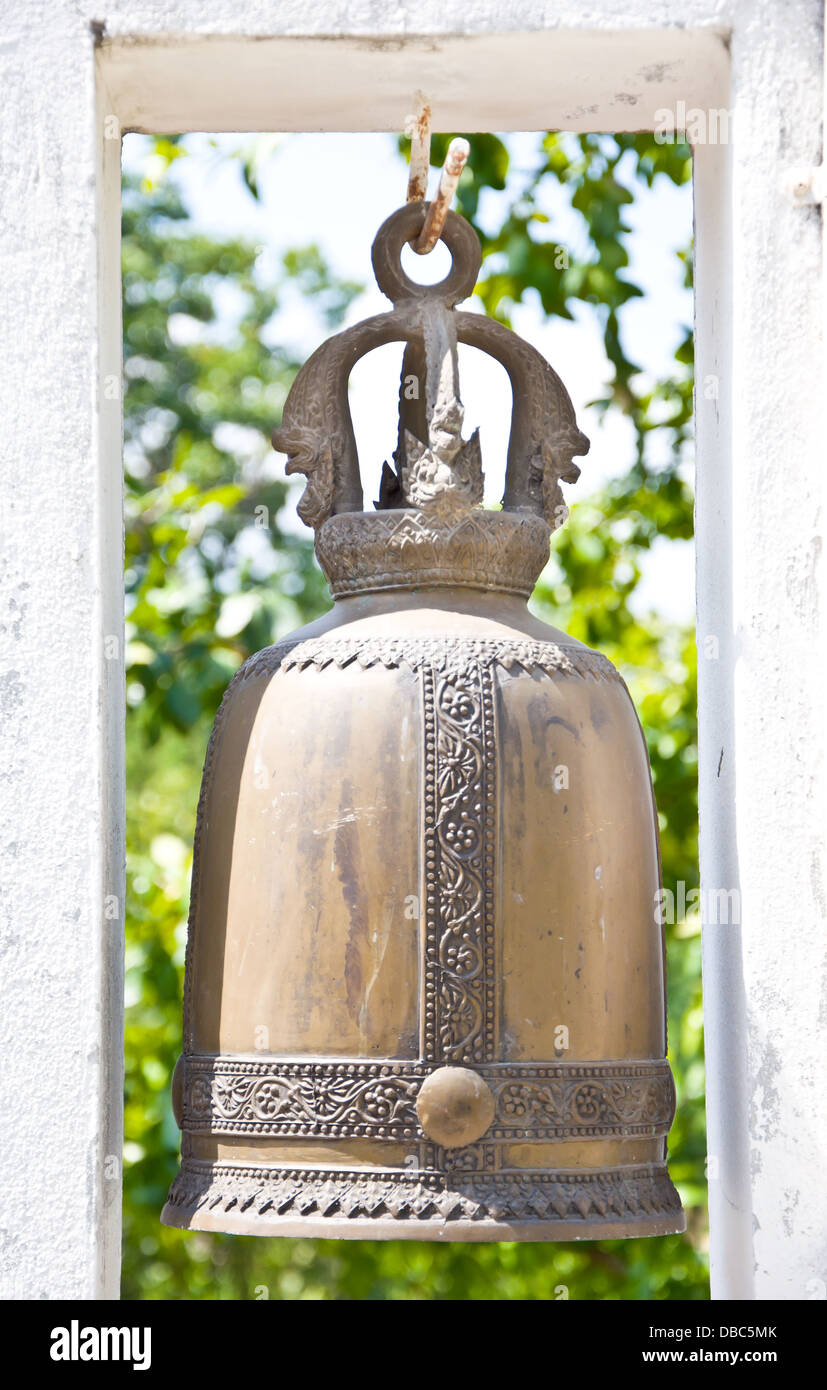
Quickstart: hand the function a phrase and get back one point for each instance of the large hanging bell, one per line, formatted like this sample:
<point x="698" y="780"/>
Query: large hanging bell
<point x="424" y="979"/>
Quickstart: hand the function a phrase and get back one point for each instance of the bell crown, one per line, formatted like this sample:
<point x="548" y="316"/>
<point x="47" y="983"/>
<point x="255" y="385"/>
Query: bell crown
<point x="428" y="526"/>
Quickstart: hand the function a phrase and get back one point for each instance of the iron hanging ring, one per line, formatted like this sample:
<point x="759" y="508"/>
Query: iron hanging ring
<point x="404" y="226"/>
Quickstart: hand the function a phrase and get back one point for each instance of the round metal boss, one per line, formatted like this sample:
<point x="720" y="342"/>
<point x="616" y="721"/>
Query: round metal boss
<point x="455" y="1106"/>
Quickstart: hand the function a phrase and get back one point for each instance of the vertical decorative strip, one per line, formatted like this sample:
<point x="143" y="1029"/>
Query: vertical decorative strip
<point x="459" y="1005"/>
<point x="488" y="689"/>
<point x="428" y="1007"/>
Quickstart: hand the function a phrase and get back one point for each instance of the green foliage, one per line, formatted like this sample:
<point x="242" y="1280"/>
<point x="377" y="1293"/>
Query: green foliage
<point x="198" y="600"/>
<point x="212" y="576"/>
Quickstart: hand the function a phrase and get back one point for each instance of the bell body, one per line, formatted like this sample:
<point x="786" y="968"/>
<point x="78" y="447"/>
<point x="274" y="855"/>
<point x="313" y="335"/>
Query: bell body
<point x="425" y="982"/>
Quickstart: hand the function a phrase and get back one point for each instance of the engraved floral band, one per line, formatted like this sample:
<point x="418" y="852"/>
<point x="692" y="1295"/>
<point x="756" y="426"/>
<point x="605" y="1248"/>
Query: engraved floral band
<point x="376" y="1100"/>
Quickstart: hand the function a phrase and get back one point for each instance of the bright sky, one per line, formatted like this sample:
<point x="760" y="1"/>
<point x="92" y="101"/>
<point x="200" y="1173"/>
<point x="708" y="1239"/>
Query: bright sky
<point x="336" y="190"/>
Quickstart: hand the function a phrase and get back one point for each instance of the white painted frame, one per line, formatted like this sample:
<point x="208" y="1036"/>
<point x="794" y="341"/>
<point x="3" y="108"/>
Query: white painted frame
<point x="279" y="65"/>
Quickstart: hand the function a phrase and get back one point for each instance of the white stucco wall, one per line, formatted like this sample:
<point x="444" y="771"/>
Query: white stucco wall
<point x="760" y="520"/>
<point x="267" y="64"/>
<point x="60" y="716"/>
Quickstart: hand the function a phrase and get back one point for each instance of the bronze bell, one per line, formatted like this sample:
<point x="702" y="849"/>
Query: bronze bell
<point x="424" y="980"/>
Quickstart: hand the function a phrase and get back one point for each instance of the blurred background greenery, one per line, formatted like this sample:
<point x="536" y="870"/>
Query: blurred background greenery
<point x="201" y="597"/>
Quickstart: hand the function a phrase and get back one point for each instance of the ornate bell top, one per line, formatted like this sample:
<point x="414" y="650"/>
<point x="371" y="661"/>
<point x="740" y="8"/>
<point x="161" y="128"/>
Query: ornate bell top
<point x="429" y="528"/>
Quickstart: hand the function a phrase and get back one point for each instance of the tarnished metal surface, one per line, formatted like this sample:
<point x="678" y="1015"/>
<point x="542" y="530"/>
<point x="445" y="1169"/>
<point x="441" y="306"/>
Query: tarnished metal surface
<point x="425" y="984"/>
<point x="418" y="127"/>
<point x="455" y="161"/>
